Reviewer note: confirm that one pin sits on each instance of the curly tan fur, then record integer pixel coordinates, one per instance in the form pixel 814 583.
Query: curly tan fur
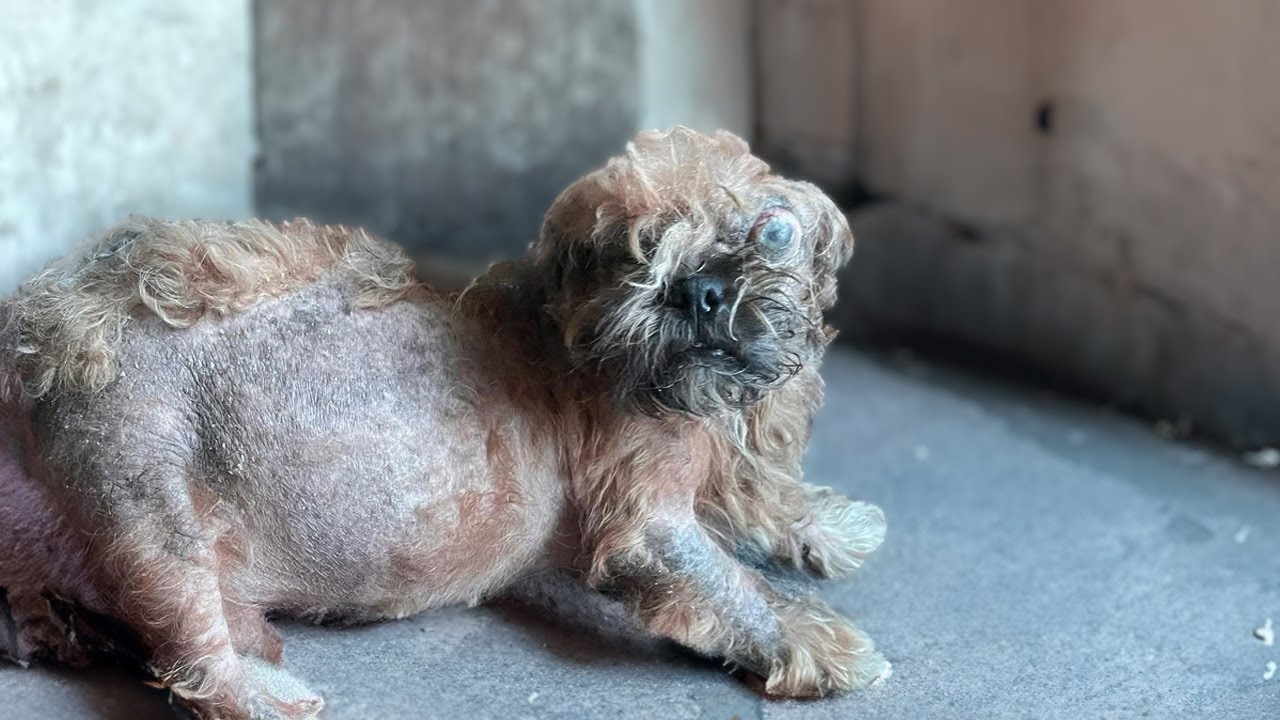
pixel 68 319
pixel 205 424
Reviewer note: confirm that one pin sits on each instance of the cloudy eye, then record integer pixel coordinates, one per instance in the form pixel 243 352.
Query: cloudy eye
pixel 776 231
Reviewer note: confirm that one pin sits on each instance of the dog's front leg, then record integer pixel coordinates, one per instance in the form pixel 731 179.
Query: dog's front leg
pixel 836 533
pixel 690 590
pixel 768 509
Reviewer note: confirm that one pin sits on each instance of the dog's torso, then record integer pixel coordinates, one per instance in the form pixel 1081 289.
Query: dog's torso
pixel 339 467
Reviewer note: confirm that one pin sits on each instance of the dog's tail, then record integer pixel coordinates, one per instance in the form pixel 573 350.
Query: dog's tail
pixel 63 326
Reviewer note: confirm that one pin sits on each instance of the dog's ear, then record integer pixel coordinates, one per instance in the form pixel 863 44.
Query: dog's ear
pixel 563 251
pixel 833 242
pixel 581 243
pixel 574 215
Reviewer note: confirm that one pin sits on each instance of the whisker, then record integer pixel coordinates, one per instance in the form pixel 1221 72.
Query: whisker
pixel 733 311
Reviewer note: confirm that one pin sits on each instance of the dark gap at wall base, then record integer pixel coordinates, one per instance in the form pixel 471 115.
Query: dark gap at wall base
pixel 982 298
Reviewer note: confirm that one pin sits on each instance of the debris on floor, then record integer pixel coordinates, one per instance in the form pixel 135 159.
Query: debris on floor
pixel 1271 670
pixel 1267 458
pixel 1170 430
pixel 1265 633
pixel 1243 533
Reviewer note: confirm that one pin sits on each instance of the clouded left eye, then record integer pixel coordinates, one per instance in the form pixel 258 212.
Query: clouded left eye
pixel 776 231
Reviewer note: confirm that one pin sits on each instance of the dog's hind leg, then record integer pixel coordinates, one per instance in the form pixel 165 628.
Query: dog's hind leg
pixel 38 560
pixel 156 567
pixel 164 585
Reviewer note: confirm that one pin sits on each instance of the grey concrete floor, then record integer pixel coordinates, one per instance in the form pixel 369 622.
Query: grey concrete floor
pixel 1044 560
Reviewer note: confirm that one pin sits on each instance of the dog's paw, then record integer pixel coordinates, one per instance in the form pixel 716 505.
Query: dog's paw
pixel 838 534
pixel 279 695
pixel 825 654
pixel 267 693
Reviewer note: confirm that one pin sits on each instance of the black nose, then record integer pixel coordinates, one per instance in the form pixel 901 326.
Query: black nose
pixel 704 295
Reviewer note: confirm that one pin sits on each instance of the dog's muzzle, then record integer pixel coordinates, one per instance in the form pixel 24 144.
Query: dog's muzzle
pixel 705 301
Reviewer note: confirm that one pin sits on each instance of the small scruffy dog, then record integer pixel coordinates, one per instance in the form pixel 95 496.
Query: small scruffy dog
pixel 207 423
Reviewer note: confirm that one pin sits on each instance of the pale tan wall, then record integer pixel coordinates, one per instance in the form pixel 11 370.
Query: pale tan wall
pixel 695 64
pixel 1164 164
pixel 807 85
pixel 1136 244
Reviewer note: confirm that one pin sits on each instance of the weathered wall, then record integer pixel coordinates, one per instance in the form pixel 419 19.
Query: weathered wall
pixel 449 127
pixel 807 84
pixel 696 65
pixel 106 109
pixel 1089 185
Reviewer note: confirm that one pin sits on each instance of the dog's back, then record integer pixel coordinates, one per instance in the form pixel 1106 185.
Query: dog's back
pixel 64 324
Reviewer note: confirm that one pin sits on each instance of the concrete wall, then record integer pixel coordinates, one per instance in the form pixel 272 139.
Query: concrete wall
pixel 808 83
pixel 449 127
pixel 106 109
pixel 1086 185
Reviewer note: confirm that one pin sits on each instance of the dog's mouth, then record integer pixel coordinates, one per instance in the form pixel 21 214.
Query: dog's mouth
pixel 720 359
pixel 704 378
pixel 714 352
pixel 705 365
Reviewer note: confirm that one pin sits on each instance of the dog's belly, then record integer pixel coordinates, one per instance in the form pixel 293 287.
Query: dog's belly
pixel 359 542
pixel 396 531
pixel 361 464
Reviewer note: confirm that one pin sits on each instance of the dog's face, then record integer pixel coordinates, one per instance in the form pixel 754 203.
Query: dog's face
pixel 689 275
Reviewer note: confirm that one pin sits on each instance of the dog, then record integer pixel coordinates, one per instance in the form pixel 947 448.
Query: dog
pixel 209 424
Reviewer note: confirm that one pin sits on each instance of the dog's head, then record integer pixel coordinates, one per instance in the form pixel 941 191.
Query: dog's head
pixel 689 274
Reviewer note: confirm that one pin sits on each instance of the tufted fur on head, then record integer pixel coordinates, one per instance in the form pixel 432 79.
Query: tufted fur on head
pixel 618 244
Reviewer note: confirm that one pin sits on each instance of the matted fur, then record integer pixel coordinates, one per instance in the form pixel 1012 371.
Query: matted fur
pixel 207 424
pixel 65 322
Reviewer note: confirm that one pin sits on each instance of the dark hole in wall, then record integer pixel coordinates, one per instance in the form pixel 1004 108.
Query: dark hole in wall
pixel 1044 117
